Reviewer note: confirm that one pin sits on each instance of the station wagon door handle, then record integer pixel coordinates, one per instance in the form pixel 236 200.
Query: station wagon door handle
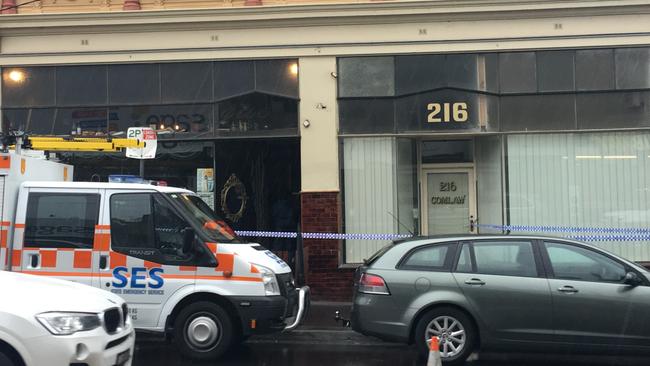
pixel 475 282
pixel 568 289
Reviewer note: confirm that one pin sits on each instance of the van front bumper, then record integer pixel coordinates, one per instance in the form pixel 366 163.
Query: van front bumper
pixel 268 314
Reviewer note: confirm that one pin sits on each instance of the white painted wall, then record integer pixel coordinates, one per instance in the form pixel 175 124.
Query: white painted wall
pixel 318 142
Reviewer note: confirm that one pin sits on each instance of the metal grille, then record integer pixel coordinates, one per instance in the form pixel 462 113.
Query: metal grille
pixel 113 320
pixel 288 290
pixel 125 312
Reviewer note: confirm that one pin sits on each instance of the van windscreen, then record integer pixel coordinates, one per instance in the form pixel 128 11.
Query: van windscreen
pixel 198 211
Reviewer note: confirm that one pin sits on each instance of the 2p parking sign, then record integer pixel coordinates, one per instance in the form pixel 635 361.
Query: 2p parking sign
pixel 146 134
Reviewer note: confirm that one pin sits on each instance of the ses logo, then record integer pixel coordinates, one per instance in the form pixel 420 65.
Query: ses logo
pixel 138 282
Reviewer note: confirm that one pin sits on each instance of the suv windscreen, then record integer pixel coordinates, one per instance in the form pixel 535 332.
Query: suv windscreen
pixel 198 211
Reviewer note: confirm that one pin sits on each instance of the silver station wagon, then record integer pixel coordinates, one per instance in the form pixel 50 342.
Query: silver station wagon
pixel 503 293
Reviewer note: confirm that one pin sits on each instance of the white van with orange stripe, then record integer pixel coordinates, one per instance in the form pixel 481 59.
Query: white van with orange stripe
pixel 181 269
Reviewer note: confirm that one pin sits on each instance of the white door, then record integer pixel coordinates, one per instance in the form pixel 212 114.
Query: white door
pixel 448 201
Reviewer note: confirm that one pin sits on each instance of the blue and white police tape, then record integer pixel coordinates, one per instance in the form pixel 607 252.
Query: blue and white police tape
pixel 566 229
pixel 610 237
pixel 331 236
pixel 629 234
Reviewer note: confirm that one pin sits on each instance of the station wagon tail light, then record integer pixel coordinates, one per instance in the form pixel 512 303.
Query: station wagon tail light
pixel 373 284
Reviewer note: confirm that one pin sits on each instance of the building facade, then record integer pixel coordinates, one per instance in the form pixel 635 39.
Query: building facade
pixel 391 117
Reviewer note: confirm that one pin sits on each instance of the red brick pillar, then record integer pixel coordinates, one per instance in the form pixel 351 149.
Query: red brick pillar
pixel 6 3
pixel 320 213
pixel 131 5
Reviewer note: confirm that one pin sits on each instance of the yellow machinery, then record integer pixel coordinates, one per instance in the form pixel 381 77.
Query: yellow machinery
pixel 83 144
pixel 71 143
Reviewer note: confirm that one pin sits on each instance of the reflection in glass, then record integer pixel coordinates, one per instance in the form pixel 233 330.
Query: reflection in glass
pixel 517 72
pixel 538 112
pixel 366 76
pixel 366 115
pixel 81 85
pixel 555 71
pixel 134 84
pixel 256 113
pixel 87 122
pixel 594 69
pixel 277 77
pixel 164 119
pixel 28 87
pixel 186 82
pixel 632 68
pixel 452 151
pixel 34 121
pixel 615 109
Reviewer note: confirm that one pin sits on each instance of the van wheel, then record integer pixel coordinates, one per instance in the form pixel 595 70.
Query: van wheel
pixel 203 330
pixel 455 330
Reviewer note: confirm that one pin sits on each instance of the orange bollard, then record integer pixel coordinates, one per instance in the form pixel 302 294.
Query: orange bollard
pixel 434 353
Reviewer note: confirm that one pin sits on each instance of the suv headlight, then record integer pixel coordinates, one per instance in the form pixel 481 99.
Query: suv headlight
pixel 271 286
pixel 68 323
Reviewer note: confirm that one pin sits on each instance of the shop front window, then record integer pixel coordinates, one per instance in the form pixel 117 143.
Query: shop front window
pixel 179 100
pixel 256 114
pixel 593 184
pixel 379 180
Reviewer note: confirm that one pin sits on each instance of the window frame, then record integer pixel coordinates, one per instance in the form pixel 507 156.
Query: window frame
pixel 40 193
pixel 450 257
pixel 548 267
pixel 541 271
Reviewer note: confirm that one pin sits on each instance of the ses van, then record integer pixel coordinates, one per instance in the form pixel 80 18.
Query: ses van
pixel 181 269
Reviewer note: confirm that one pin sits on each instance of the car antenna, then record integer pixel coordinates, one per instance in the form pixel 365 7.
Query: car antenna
pixel 399 222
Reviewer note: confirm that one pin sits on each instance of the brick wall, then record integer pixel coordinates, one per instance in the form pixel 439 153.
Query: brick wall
pixel 320 213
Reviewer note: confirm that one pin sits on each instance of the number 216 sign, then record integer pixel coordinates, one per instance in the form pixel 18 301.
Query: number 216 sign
pixel 447 112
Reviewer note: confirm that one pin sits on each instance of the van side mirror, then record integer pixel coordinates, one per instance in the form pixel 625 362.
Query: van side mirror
pixel 188 239
pixel 632 279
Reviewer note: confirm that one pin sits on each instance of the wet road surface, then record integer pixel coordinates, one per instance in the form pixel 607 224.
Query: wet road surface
pixel 159 353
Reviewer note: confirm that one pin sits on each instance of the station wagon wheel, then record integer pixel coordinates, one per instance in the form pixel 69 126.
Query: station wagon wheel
pixel 450 332
pixel 455 330
pixel 203 330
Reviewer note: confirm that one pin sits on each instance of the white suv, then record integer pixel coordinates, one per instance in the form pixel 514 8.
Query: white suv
pixel 46 321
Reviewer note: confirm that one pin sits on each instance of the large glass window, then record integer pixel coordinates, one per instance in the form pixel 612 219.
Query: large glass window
pixel 134 84
pixel 589 183
pixel 81 85
pixel 179 100
pixel 366 77
pixel 555 71
pixel 520 76
pixel 632 68
pixel 594 70
pixel 61 220
pixel 186 82
pixel 543 90
pixel 28 87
